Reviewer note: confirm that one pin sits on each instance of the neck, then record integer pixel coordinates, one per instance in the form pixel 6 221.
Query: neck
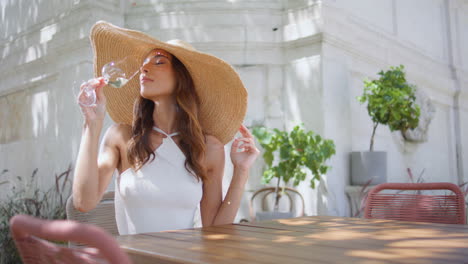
pixel 165 114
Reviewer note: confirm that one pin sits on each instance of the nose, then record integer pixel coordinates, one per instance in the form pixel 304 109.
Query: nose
pixel 144 68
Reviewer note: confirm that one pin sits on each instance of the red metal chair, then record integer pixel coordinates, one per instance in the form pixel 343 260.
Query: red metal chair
pixel 31 237
pixel 417 205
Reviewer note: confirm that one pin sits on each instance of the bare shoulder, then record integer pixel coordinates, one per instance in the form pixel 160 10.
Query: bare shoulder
pixel 118 134
pixel 214 152
pixel 213 144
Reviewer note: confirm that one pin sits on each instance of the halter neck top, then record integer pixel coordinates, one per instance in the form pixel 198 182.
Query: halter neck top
pixel 162 195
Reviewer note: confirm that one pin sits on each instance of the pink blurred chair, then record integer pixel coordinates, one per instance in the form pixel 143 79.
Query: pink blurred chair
pixel 31 237
pixel 417 205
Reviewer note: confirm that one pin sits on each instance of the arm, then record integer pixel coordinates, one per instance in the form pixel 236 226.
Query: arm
pixel 212 188
pixel 91 175
pixel 214 210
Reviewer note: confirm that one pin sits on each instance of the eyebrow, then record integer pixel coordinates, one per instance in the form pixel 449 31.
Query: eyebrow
pixel 157 56
pixel 160 55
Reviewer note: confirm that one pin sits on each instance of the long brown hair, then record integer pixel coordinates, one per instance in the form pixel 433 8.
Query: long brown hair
pixel 192 140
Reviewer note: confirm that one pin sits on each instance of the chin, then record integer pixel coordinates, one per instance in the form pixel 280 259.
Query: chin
pixel 146 94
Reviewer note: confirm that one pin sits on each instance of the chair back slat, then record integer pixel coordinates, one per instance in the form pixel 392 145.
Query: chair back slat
pixel 438 208
pixel 269 192
pixel 102 216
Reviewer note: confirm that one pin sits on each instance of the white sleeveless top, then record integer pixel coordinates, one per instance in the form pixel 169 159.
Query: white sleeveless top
pixel 162 195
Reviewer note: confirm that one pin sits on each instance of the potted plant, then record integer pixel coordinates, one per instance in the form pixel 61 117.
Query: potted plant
pixel 390 101
pixel 288 156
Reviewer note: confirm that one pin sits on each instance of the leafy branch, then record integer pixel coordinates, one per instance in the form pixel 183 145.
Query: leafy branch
pixel 288 155
pixel 391 101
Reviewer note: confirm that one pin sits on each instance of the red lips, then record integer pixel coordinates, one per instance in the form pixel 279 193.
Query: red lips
pixel 145 79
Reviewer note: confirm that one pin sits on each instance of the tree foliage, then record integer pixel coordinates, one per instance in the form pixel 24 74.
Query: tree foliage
pixel 288 155
pixel 391 101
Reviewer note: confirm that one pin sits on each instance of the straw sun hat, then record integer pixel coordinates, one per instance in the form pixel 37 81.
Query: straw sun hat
pixel 222 95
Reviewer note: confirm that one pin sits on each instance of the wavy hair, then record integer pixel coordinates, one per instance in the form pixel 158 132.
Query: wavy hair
pixel 192 139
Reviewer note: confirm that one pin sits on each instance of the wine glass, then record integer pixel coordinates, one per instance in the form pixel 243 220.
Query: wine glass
pixel 113 74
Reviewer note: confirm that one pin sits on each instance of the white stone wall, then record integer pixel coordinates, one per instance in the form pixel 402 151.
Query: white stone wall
pixel 45 54
pixel 362 37
pixel 301 61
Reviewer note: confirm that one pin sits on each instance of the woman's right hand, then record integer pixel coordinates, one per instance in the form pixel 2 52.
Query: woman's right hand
pixel 96 112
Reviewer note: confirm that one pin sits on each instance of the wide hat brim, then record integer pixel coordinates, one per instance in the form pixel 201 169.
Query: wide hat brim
pixel 223 97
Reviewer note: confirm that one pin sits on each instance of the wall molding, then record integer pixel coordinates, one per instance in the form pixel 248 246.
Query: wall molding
pixel 30 84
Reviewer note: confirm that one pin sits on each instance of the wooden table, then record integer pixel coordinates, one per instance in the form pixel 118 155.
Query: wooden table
pixel 316 239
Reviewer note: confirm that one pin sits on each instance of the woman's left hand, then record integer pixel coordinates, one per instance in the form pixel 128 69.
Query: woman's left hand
pixel 248 152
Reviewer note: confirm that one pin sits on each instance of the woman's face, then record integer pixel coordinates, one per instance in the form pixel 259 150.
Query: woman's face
pixel 157 77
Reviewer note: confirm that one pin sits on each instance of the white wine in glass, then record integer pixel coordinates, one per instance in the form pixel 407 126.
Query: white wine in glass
pixel 113 75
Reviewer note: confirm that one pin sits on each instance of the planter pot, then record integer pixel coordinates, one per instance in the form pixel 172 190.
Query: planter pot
pixel 367 165
pixel 260 216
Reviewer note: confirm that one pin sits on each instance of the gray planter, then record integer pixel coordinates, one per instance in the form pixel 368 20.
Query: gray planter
pixel 368 165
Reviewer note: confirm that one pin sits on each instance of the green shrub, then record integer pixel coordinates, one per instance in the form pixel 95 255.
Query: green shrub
pixel 30 200
pixel 296 151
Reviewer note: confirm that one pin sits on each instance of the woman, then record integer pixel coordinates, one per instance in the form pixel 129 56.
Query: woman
pixel 170 152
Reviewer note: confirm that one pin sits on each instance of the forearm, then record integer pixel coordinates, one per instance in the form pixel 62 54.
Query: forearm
pixel 230 205
pixel 86 180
